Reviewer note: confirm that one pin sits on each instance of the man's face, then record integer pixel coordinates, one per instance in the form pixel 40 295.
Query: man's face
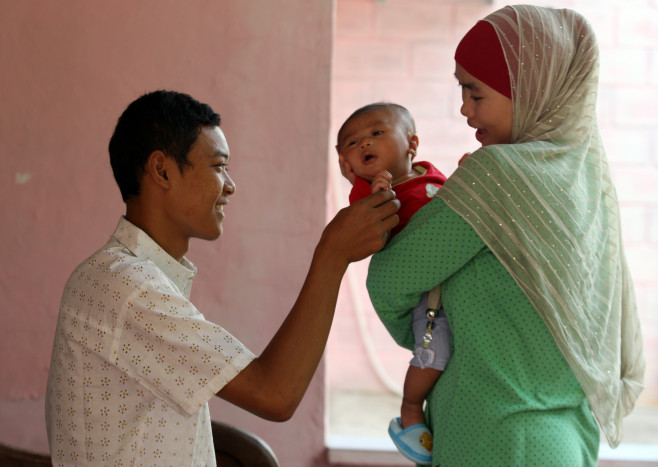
pixel 201 191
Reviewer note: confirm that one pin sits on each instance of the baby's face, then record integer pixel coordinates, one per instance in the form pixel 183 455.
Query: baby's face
pixel 374 141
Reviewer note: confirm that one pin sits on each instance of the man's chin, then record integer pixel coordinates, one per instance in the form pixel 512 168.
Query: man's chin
pixel 212 235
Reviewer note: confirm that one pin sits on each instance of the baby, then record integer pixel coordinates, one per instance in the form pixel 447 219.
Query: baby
pixel 376 147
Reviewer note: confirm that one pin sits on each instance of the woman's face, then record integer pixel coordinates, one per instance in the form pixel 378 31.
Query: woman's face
pixel 485 109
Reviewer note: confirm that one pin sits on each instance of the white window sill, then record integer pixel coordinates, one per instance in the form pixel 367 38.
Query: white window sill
pixel 375 450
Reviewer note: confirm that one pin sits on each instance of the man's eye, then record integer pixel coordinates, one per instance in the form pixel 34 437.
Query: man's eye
pixel 476 98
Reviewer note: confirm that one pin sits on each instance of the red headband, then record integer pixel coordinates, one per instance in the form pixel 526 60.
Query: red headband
pixel 481 54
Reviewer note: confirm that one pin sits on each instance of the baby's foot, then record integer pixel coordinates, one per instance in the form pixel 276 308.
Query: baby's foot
pixel 414 442
pixel 411 414
pixel 412 419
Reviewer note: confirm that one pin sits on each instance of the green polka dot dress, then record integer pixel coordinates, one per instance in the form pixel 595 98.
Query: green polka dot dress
pixel 507 396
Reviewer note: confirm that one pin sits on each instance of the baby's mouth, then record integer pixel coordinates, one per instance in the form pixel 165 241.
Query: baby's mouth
pixel 368 158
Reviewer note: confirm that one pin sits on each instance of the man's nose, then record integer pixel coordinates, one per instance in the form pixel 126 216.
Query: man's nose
pixel 229 185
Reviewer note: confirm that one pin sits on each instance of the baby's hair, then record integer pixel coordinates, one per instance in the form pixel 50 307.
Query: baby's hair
pixel 404 114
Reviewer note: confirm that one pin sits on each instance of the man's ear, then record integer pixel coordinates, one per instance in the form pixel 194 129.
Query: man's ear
pixel 157 166
pixel 413 146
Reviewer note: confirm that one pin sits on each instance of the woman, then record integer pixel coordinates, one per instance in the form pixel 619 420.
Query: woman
pixel 525 240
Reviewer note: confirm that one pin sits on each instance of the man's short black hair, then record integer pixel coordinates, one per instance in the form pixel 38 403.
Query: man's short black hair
pixel 168 121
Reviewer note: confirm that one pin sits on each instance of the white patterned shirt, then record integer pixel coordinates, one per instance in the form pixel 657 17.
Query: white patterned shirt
pixel 134 363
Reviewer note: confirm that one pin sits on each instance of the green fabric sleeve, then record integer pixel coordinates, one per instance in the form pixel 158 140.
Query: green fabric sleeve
pixel 435 244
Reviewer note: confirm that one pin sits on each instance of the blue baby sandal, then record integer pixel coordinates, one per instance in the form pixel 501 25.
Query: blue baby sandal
pixel 414 442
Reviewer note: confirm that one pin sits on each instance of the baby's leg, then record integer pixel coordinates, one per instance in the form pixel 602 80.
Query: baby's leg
pixel 417 384
pixel 430 358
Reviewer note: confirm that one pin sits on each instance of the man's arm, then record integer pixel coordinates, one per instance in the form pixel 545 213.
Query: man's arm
pixel 272 385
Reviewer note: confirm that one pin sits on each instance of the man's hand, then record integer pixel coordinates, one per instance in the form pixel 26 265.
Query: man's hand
pixel 361 229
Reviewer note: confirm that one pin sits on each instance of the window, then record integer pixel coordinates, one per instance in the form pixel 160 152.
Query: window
pixel 403 52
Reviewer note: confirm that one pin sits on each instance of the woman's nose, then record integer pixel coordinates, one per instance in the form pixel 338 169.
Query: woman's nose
pixel 465 109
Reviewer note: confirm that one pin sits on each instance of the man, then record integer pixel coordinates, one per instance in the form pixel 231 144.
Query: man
pixel 134 363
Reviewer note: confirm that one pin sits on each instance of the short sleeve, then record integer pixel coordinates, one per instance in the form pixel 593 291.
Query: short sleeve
pixel 167 345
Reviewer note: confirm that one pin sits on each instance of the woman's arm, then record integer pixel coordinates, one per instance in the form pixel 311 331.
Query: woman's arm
pixel 434 245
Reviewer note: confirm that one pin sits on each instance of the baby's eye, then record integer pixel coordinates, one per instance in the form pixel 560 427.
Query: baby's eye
pixel 377 133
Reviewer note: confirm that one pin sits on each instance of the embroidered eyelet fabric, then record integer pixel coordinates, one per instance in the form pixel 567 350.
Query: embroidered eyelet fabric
pixel 134 363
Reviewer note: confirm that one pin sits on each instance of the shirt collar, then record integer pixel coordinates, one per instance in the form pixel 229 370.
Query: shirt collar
pixel 141 245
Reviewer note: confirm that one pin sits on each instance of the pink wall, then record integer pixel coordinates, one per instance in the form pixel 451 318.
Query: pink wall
pixel 402 50
pixel 69 68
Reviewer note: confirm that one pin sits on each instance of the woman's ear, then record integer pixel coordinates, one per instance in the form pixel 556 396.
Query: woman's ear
pixel 413 146
pixel 157 166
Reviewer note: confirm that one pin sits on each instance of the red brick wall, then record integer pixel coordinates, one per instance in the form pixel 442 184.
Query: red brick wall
pixel 401 50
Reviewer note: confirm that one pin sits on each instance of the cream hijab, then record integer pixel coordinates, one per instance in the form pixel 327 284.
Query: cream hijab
pixel 547 208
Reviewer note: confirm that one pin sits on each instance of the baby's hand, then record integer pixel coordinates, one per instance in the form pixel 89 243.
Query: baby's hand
pixel 381 182
pixel 346 169
pixel 463 157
